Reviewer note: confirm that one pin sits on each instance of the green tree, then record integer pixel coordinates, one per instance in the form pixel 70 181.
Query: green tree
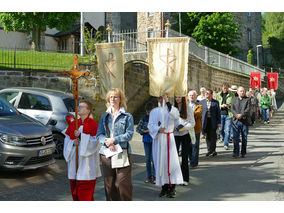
pixel 90 42
pixel 37 22
pixel 217 30
pixel 273 36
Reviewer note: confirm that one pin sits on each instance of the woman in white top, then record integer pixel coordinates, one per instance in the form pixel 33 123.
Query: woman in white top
pixel 184 134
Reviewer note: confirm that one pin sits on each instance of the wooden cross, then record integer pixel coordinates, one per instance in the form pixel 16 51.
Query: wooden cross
pixel 75 74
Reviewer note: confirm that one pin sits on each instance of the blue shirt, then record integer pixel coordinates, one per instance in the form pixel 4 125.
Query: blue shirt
pixel 192 104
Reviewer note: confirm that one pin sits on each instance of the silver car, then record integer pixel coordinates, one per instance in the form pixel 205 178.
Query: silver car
pixel 50 107
pixel 24 142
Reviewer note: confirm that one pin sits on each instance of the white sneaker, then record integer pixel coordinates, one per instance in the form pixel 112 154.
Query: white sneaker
pixel 265 122
pixel 226 147
pixel 185 183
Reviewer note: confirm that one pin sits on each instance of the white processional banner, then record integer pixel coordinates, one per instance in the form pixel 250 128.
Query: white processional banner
pixel 168 66
pixel 110 58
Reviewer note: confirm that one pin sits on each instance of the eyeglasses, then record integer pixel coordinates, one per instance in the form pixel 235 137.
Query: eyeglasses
pixel 82 106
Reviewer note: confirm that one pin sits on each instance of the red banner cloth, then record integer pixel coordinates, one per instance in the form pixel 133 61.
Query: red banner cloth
pixel 272 80
pixel 255 80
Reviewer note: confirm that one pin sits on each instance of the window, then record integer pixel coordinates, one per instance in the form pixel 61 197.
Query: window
pixel 11 97
pixel 70 104
pixel 249 36
pixel 150 14
pixel 151 33
pixel 36 102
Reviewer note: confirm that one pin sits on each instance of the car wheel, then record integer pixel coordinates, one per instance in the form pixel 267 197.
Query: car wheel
pixel 59 142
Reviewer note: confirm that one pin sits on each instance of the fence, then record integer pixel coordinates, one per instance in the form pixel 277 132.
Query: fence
pixel 24 58
pixel 137 42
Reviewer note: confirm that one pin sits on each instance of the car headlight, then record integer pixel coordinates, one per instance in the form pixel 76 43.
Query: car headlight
pixel 12 139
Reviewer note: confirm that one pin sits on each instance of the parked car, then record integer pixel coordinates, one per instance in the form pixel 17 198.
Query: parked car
pixel 25 143
pixel 50 107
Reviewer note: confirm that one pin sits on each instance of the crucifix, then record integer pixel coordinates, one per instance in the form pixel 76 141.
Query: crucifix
pixel 75 74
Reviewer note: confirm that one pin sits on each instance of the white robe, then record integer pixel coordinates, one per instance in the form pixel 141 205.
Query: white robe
pixel 175 170
pixel 88 153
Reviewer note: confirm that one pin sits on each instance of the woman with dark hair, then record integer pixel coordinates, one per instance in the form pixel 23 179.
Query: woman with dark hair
pixel 184 134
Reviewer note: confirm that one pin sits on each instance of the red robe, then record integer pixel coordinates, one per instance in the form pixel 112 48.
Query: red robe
pixel 83 181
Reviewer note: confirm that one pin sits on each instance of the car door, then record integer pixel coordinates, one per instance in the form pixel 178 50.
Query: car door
pixel 35 106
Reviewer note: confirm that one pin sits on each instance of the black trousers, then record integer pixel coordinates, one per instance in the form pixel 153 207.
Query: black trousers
pixel 186 148
pixel 211 136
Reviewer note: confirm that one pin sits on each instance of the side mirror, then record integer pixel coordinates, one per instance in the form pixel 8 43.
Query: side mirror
pixel 53 122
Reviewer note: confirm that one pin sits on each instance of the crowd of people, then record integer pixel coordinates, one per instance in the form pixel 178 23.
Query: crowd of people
pixel 166 129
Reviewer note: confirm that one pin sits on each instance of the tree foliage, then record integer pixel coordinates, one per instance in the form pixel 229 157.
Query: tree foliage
pixel 90 41
pixel 217 30
pixel 273 36
pixel 37 22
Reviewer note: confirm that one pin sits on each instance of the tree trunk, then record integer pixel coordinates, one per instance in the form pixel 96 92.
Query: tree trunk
pixel 36 38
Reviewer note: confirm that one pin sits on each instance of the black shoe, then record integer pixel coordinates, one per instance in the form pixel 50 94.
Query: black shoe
pixel 172 193
pixel 214 154
pixel 235 156
pixel 208 154
pixel 163 193
pixel 243 155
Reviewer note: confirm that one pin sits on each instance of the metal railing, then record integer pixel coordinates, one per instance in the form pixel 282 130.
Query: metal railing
pixel 137 42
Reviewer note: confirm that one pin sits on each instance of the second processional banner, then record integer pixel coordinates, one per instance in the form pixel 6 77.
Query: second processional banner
pixel 110 58
pixel 168 66
pixel 272 80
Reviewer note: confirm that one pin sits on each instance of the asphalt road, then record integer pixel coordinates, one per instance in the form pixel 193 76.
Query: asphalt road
pixel 258 177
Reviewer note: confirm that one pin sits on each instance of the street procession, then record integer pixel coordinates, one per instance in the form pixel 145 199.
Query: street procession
pixel 151 114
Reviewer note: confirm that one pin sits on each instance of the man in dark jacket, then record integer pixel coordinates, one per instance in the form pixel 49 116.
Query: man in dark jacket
pixel 211 120
pixel 241 120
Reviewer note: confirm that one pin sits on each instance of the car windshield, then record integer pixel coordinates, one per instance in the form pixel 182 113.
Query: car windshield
pixel 6 109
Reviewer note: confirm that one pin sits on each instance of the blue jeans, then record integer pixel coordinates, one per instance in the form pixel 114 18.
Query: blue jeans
pixel 149 160
pixel 226 123
pixel 195 151
pixel 265 114
pixel 240 128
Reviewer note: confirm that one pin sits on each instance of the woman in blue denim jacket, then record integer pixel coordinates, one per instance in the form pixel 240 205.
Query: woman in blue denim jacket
pixel 116 127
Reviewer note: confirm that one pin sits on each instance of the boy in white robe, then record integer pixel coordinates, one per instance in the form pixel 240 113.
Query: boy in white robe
pixel 83 181
pixel 164 144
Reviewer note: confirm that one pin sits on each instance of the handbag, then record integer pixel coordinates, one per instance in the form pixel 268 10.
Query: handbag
pixel 119 160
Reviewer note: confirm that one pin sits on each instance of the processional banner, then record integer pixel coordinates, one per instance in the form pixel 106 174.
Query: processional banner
pixel 110 57
pixel 272 80
pixel 255 80
pixel 168 66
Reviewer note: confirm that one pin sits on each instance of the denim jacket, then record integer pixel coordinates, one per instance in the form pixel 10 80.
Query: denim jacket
pixel 122 132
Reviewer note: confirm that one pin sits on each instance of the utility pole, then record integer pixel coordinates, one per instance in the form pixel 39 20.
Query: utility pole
pixel 82 52
pixel 179 21
pixel 257 54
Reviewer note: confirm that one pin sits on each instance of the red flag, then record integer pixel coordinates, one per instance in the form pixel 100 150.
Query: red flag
pixel 255 80
pixel 272 80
